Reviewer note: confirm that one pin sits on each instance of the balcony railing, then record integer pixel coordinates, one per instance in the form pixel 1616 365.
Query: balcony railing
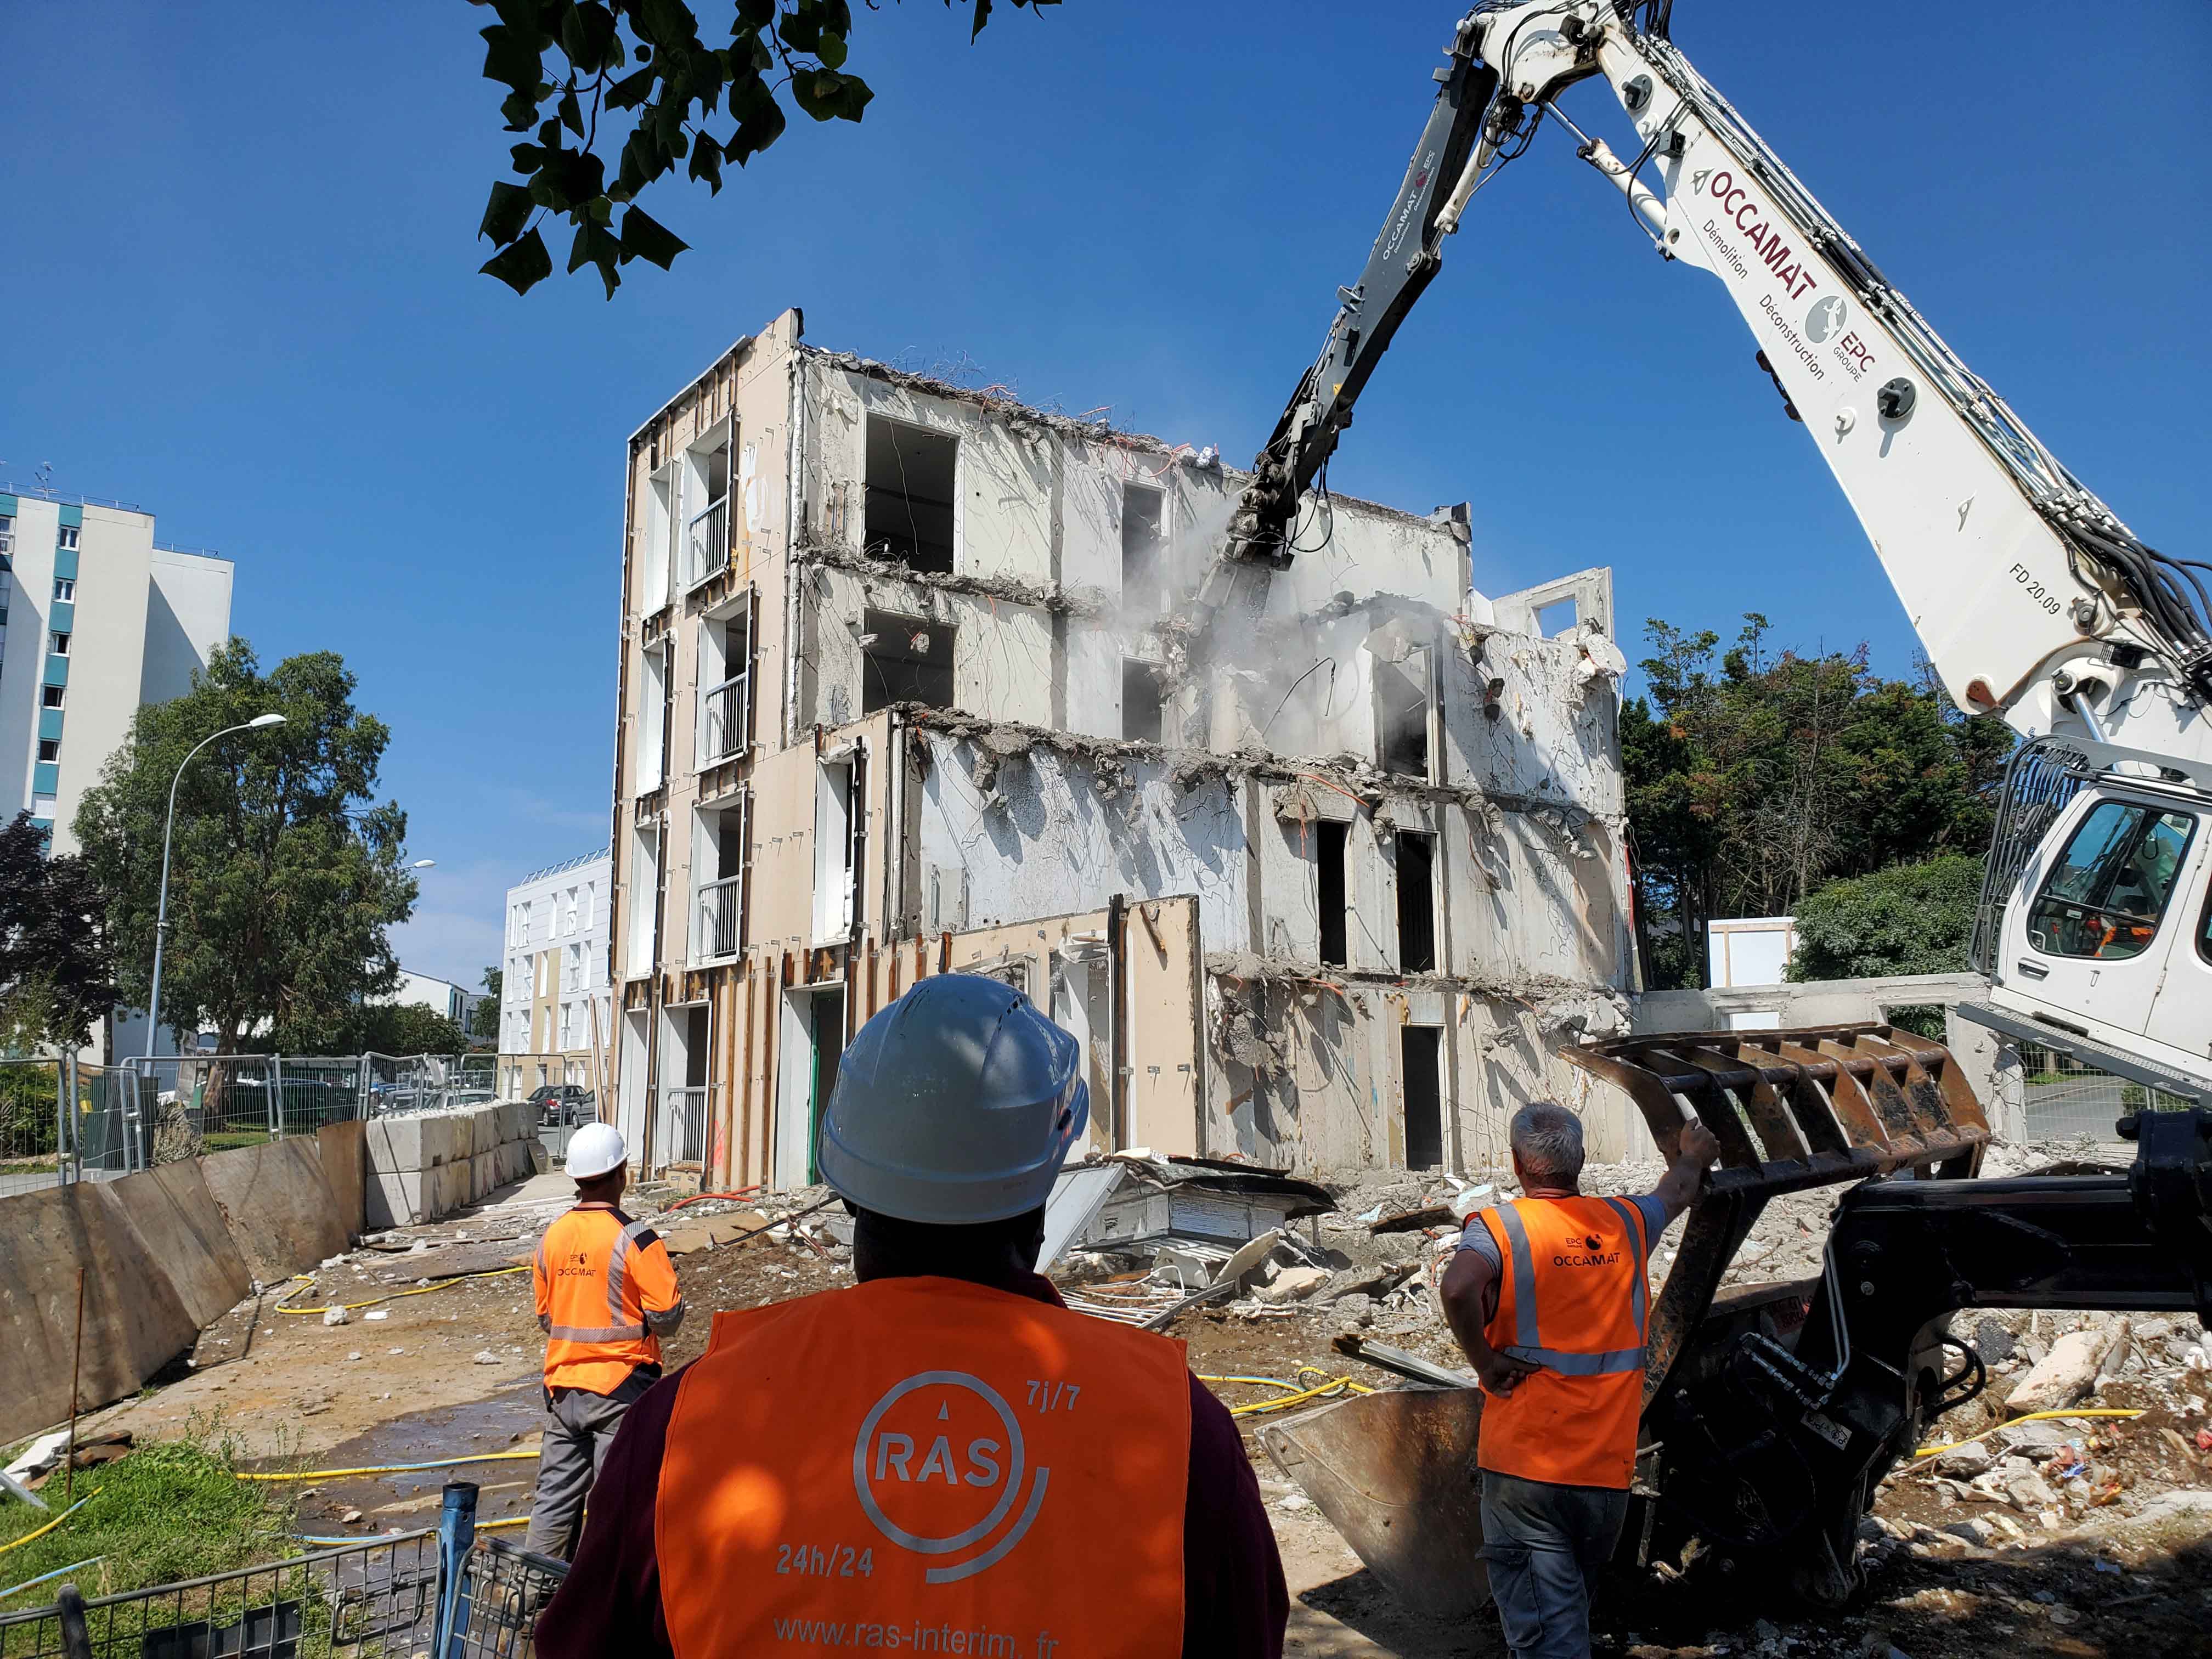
pixel 683 1128
pixel 706 547
pixel 721 913
pixel 723 720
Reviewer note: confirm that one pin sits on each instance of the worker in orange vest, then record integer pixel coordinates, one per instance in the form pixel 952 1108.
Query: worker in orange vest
pixel 1548 1294
pixel 606 1295
pixel 929 1459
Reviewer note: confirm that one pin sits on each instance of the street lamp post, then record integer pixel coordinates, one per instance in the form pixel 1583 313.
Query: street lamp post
pixel 259 722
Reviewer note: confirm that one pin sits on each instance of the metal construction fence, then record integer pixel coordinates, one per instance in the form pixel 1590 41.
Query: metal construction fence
pixel 446 1589
pixel 2063 1098
pixel 63 1121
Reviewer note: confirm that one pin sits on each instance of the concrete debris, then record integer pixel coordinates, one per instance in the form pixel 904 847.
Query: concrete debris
pixel 333 1316
pixel 2068 1370
pixel 1292 1284
pixel 486 1357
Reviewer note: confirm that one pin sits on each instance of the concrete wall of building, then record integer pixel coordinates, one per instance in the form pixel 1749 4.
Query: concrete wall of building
pixel 556 963
pixel 1022 802
pixel 187 617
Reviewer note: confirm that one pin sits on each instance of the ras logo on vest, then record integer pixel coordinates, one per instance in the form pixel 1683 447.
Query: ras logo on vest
pixel 938 1467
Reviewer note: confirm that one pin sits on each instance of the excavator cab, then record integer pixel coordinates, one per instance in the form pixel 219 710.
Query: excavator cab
pixel 2095 923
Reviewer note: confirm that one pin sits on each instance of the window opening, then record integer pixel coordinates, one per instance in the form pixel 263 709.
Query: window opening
pixel 829 1035
pixel 65 590
pixel 49 749
pixel 1143 704
pixel 1417 904
pixel 1330 846
pixel 1143 515
pixel 50 696
pixel 61 646
pixel 1557 617
pixel 1421 1077
pixel 2109 891
pixel 726 712
pixel 67 540
pixel 840 847
pixel 911 488
pixel 904 660
pixel 1402 713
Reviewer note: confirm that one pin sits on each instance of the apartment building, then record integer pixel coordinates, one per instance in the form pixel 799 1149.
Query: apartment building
pixel 554 992
pixel 911 681
pixel 95 619
pixel 441 996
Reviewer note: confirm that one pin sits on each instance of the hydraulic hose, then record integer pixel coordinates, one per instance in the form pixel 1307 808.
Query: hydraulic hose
pixel 419 1290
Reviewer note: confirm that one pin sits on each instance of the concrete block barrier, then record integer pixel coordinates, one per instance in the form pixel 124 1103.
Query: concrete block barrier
pixel 135 1323
pixel 178 1222
pixel 277 1205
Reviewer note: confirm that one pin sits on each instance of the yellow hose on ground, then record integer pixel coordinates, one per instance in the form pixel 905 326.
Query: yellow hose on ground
pixel 388 1469
pixel 18 1543
pixel 1926 1452
pixel 419 1290
pixel 1298 1392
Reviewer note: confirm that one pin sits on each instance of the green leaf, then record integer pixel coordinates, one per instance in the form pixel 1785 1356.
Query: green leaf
pixel 633 90
pixel 589 36
pixel 572 112
pixel 510 59
pixel 665 23
pixel 982 15
pixel 761 121
pixel 520 110
pixel 522 266
pixel 596 246
pixel 831 49
pixel 644 238
pixel 506 214
pixel 707 163
pixel 527 158
pixel 827 95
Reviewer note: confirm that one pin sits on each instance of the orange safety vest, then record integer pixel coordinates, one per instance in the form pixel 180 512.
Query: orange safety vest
pixel 604 1283
pixel 1572 1300
pixel 926 1465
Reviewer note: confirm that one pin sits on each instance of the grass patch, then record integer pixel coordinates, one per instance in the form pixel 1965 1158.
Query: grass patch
pixel 168 1511
pixel 227 1141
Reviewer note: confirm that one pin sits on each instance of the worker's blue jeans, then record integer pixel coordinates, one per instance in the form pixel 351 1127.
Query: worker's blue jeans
pixel 1543 1543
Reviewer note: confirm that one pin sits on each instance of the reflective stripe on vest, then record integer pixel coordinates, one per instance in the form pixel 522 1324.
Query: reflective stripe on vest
pixel 598 1327
pixel 1524 1304
pixel 915 1463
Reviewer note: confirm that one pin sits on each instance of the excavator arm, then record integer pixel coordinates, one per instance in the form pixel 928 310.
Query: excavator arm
pixel 2034 600
pixel 1406 257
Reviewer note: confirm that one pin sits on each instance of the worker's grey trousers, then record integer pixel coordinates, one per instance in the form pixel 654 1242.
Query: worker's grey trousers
pixel 579 1429
pixel 1543 1543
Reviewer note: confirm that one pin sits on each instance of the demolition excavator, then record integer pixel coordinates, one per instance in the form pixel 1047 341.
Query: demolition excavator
pixel 1770 1415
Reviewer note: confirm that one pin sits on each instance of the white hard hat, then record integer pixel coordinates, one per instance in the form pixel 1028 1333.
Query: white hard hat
pixel 956 1105
pixel 594 1150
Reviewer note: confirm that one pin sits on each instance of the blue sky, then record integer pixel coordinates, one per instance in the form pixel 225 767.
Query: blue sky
pixel 241 290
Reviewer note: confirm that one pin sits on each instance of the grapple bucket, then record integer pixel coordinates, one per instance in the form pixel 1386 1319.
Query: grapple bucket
pixel 1394 1473
pixel 1814 1106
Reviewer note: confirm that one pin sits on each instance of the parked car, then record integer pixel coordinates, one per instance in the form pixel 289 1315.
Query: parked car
pixel 564 1105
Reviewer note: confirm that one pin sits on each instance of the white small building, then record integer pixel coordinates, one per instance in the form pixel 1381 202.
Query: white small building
pixel 555 994
pixel 1749 950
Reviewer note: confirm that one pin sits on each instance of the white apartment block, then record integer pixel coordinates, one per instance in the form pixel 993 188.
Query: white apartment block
pixel 554 982
pixel 911 683
pixel 441 996
pixel 95 619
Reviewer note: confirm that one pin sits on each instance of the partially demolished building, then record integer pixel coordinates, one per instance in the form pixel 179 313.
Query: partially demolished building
pixel 911 683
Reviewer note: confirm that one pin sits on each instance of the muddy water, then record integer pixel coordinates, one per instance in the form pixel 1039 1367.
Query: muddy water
pixel 507 1421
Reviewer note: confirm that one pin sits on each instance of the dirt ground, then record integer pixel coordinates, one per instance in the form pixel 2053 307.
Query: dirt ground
pixel 452 1370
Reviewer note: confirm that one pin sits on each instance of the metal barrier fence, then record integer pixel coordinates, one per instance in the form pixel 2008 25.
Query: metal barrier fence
pixel 446 1589
pixel 680 1137
pixel 213 1102
pixel 2060 1098
pixel 62 1121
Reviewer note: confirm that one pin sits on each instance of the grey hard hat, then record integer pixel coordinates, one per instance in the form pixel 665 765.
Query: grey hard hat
pixel 955 1105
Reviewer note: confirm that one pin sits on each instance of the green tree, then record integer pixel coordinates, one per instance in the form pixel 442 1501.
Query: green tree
pixel 57 971
pixel 280 891
pixel 1753 778
pixel 1907 919
pixel 635 80
pixel 484 1018
pixel 382 1028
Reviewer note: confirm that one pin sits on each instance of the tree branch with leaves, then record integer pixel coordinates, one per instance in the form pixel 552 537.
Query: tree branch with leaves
pixel 635 78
